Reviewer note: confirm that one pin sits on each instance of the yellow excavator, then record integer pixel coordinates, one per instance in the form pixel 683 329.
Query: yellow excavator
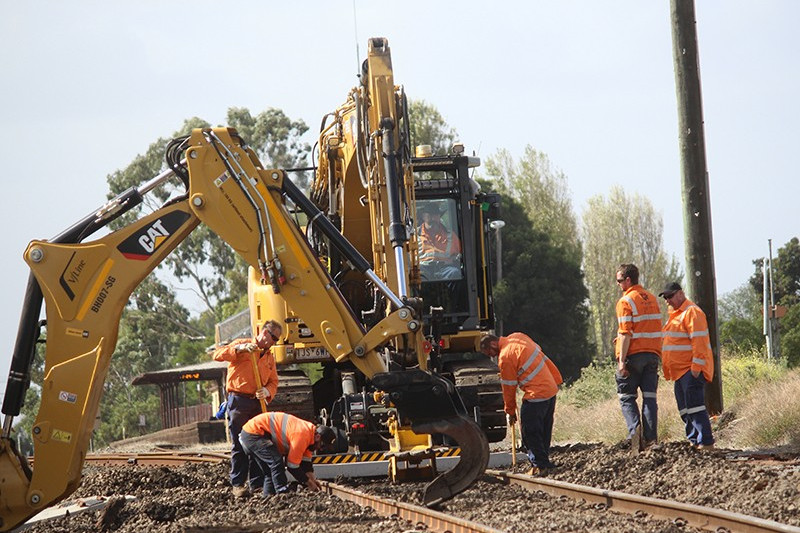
pixel 85 285
pixel 370 186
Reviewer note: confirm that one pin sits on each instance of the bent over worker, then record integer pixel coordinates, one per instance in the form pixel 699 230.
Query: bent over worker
pixel 269 437
pixel 523 364
pixel 689 362
pixel 638 352
pixel 245 394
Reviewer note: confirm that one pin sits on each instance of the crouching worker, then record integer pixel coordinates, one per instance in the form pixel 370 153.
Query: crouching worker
pixel 269 437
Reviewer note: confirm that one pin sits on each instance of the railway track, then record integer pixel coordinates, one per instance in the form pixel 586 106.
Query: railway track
pixel 680 514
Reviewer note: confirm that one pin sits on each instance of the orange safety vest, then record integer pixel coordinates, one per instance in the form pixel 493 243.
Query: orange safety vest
pixel 523 364
pixel 687 345
pixel 293 436
pixel 241 377
pixel 437 243
pixel 639 316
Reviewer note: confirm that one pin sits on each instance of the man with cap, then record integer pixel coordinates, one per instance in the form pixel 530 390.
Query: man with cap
pixel 524 365
pixel 689 362
pixel 638 352
pixel 270 437
pixel 439 246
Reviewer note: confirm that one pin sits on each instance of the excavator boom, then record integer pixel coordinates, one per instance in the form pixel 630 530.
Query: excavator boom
pixel 85 287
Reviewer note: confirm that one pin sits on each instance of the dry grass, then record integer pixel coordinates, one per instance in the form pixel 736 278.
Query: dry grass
pixel 762 407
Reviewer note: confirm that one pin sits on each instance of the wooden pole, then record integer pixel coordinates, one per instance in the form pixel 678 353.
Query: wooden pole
pixel 700 277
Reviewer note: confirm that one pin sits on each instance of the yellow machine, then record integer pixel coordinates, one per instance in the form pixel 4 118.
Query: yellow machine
pixel 369 186
pixel 85 287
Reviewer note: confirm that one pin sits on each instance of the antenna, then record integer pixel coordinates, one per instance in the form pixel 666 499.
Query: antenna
pixel 355 35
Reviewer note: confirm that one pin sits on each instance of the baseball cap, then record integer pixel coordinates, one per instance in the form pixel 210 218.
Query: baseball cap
pixel 670 289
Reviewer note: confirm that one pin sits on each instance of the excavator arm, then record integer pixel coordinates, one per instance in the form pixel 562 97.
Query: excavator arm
pixel 85 287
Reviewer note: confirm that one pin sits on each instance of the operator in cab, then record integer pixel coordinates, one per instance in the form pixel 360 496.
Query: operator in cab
pixel 439 246
pixel 268 438
pixel 252 378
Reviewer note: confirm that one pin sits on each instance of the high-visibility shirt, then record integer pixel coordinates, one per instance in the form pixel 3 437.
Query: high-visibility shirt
pixel 523 364
pixel 241 377
pixel 294 437
pixel 438 243
pixel 687 345
pixel 639 316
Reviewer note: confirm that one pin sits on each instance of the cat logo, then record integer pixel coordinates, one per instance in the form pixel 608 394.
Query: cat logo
pixel 144 242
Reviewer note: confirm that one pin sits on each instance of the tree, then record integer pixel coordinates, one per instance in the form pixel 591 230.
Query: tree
pixel 786 287
pixel 786 274
pixel 740 320
pixel 621 229
pixel 542 292
pixel 427 126
pixel 542 191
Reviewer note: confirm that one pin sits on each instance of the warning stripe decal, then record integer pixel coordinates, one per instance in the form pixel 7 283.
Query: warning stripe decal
pixel 372 456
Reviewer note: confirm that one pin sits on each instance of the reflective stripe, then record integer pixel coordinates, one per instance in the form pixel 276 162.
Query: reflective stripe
pixel 647 335
pixel 534 400
pixel 703 333
pixel 528 362
pixel 693 410
pixel 538 369
pixel 627 396
pixel 701 362
pixel 632 304
pixel 647 317
pixel 676 348
pixel 625 319
pixel 509 382
pixel 649 394
pixel 677 334
pixel 682 412
pixel 285 433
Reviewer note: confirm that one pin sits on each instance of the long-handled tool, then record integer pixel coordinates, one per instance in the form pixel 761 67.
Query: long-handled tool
pixel 254 359
pixel 514 443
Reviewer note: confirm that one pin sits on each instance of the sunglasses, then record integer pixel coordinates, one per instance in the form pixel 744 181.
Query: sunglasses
pixel 274 337
pixel 668 296
pixel 620 280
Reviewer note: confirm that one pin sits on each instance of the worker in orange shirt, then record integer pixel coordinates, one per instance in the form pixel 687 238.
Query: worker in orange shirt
pixel 523 364
pixel 689 362
pixel 269 437
pixel 245 394
pixel 439 246
pixel 638 353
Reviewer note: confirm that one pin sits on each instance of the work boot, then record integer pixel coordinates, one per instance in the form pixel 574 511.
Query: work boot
pixel 533 471
pixel 240 491
pixel 637 442
pixel 652 445
pixel 705 447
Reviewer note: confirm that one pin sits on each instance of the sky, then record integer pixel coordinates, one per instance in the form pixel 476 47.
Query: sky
pixel 88 85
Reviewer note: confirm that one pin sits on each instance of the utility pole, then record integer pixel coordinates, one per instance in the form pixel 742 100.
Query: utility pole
pixel 497 225
pixel 700 277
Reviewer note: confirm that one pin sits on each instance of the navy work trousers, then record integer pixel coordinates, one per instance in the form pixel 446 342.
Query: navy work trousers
pixel 262 450
pixel 536 420
pixel 642 374
pixel 240 410
pixel 691 399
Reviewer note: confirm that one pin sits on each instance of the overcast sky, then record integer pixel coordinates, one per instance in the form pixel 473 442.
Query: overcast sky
pixel 86 86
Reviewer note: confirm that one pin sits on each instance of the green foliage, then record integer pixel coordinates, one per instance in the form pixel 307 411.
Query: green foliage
pixel 790 336
pixel 741 334
pixel 595 385
pixel 427 126
pixel 543 193
pixel 786 274
pixel 542 292
pixel 744 372
pixel 621 229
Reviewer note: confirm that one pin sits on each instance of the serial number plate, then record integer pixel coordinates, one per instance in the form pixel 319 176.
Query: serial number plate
pixel 304 354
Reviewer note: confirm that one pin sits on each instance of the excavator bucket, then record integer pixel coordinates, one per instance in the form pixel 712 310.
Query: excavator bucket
pixel 432 405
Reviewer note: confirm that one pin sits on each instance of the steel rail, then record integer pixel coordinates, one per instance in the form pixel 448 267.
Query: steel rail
pixel 156 458
pixel 433 520
pixel 707 518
